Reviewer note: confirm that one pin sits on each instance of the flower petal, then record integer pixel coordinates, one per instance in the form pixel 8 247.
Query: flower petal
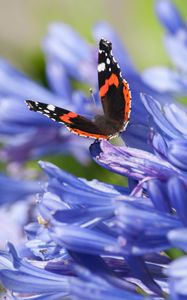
pixel 178 192
pixel 176 49
pixel 59 45
pixel 178 238
pixel 165 80
pixel 177 153
pixel 130 162
pixel 156 190
pixel 15 83
pixel 58 78
pixel 169 16
pixel 155 109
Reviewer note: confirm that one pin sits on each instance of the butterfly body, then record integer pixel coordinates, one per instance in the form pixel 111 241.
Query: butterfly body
pixel 115 98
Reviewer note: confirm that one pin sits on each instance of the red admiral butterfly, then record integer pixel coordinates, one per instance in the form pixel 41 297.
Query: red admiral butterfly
pixel 115 98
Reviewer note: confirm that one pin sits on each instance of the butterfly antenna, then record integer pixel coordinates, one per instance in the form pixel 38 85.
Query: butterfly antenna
pixel 92 95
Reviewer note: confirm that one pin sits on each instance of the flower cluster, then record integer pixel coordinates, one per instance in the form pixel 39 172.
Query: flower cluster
pixel 94 240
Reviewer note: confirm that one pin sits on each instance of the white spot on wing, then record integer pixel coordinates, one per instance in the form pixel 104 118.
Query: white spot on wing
pixel 51 107
pixel 108 60
pixel 101 67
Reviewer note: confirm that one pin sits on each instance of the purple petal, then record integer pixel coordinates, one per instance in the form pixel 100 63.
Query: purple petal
pixel 130 162
pixel 165 80
pixel 140 270
pixel 136 136
pixel 14 190
pixel 75 190
pixel 148 233
pixel 176 114
pixel 156 190
pixel 83 215
pixel 178 278
pixel 178 192
pixel 156 111
pixel 178 238
pixel 178 268
pixel 97 288
pixel 65 46
pixel 14 83
pixel 58 79
pixel 169 16
pixel 159 145
pixel 25 283
pixel 85 240
pixel 177 50
pixel 26 278
pixel 177 153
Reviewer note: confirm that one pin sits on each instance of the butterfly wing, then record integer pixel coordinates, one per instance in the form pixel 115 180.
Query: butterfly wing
pixel 74 122
pixel 113 89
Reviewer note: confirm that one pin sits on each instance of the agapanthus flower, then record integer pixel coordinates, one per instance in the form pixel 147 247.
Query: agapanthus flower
pixel 20 128
pixel 94 240
pixel 16 204
pixel 92 224
pixel 101 224
pixel 59 50
pixel 23 278
pixel 63 62
pixel 178 278
pixel 164 78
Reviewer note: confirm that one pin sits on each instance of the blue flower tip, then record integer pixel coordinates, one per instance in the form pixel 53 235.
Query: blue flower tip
pixel 95 149
pixel 45 164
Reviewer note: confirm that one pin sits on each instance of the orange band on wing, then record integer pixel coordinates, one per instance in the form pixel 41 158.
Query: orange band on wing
pixel 113 80
pixel 91 135
pixel 127 96
pixel 67 117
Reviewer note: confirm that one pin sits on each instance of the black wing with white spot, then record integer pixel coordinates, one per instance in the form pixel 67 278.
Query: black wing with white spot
pixel 73 121
pixel 113 89
pixel 107 64
pixel 48 110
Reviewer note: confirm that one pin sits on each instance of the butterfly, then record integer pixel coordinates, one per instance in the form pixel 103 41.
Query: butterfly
pixel 115 98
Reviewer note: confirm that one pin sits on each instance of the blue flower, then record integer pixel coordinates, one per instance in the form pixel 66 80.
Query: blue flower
pixel 20 127
pixel 94 240
pixel 63 62
pixel 97 288
pixel 178 278
pixel 16 189
pixel 131 162
pixel 165 79
pixel 91 218
pixel 92 222
pixel 21 277
pixel 59 49
pixel 169 134
pixel 61 54
pixel 16 195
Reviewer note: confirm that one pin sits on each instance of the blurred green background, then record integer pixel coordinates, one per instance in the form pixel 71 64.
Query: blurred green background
pixel 23 24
